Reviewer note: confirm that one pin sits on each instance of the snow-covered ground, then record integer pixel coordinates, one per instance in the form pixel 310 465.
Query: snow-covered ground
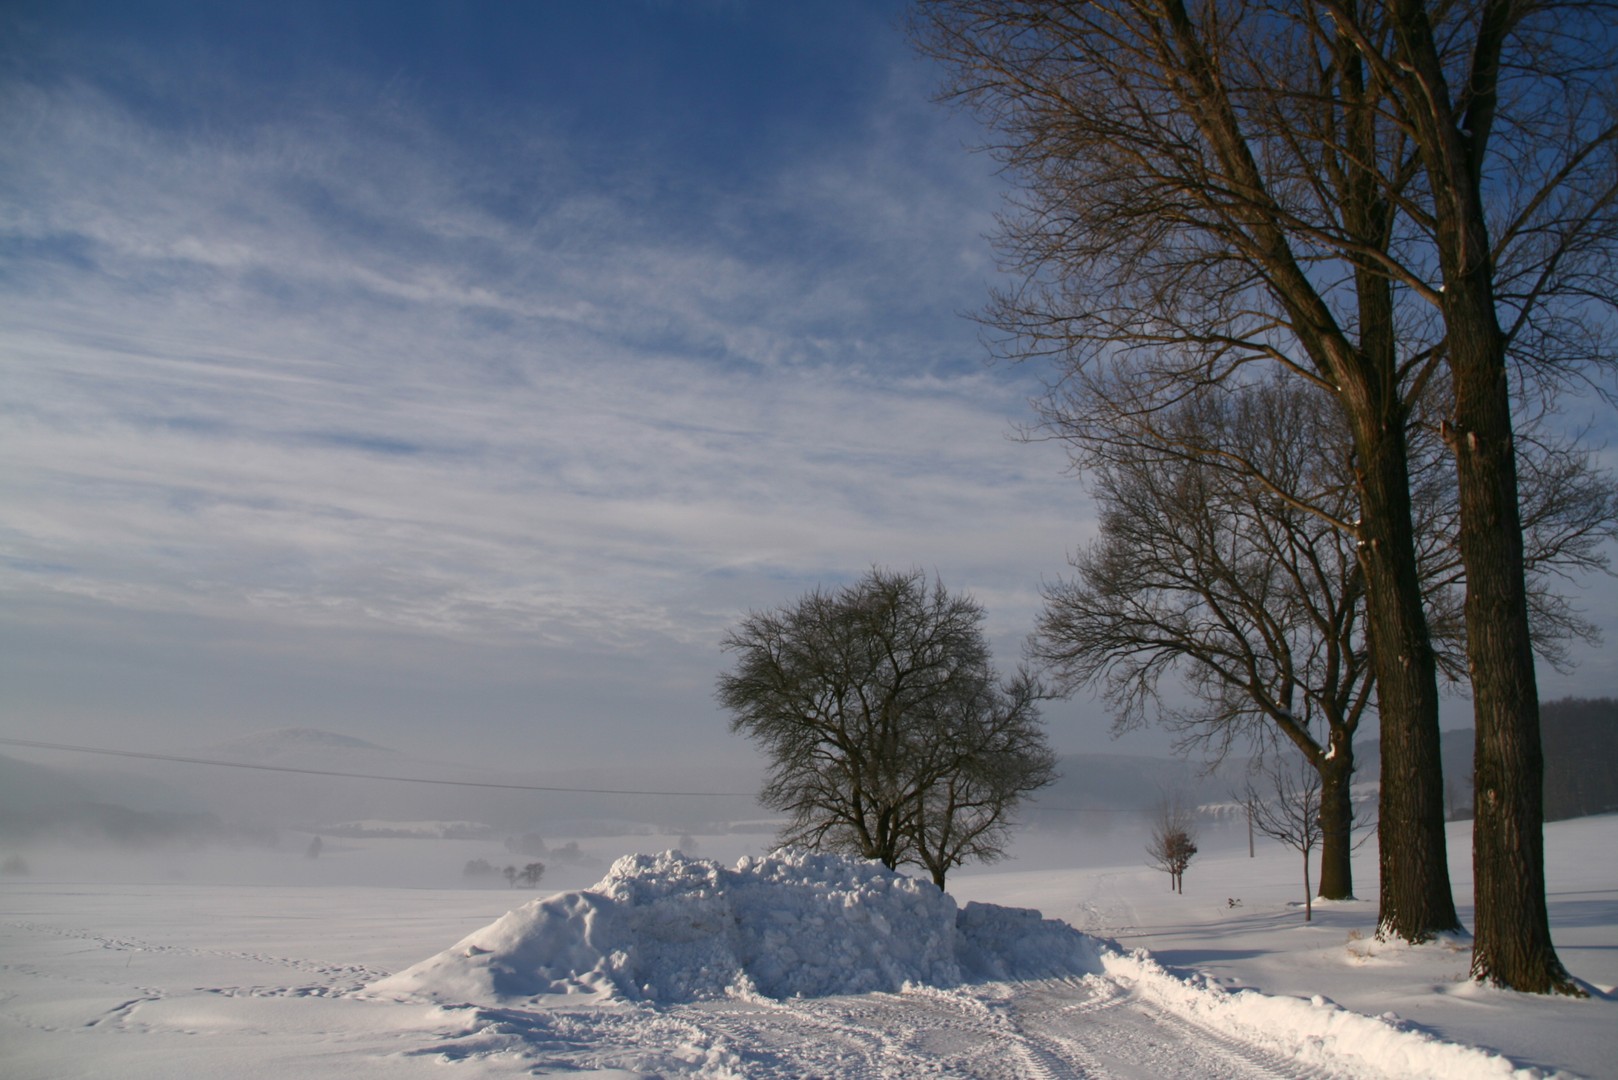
pixel 1263 942
pixel 687 967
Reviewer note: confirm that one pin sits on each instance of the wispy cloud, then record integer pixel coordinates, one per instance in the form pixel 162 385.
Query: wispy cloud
pixel 327 373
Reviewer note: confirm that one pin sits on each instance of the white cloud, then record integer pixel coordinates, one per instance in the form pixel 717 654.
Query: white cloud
pixel 298 378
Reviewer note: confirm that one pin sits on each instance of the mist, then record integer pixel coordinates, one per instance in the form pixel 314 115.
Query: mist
pixel 268 811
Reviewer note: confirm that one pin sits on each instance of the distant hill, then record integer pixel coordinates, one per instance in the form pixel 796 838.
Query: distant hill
pixel 40 803
pixel 24 786
pixel 1455 752
pixel 27 784
pixel 1098 784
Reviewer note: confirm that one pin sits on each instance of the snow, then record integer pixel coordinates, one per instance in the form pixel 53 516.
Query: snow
pixel 669 928
pixel 1312 1033
pixel 787 964
pixel 1264 943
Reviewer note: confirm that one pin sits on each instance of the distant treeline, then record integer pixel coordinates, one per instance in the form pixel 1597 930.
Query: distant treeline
pixel 1580 739
pixel 107 824
pixel 1580 736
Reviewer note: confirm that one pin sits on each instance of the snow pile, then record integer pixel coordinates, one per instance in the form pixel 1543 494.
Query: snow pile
pixel 670 928
pixel 1003 943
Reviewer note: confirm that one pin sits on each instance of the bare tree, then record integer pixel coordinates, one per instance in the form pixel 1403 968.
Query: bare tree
pixel 1289 811
pixel 478 868
pixel 1202 194
pixel 888 731
pixel 1214 575
pixel 998 754
pixel 531 873
pixel 1312 185
pixel 1205 575
pixel 1464 111
pixel 1173 841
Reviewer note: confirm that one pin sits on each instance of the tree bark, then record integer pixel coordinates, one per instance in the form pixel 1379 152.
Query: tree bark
pixel 1415 900
pixel 1512 940
pixel 1415 897
pixel 1336 829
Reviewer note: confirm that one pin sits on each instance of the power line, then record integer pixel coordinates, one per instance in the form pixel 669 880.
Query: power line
pixel 364 776
pixel 34 744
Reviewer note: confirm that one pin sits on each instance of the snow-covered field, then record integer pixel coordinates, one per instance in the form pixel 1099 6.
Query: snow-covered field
pixel 684 967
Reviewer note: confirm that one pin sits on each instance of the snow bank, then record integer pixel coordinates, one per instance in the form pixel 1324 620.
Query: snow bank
pixel 1311 1033
pixel 993 942
pixel 670 928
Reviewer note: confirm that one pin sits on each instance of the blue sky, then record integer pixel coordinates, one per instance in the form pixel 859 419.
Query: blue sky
pixel 453 375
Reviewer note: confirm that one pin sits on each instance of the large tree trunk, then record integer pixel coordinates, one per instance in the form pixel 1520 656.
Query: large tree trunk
pixel 1512 945
pixel 1336 827
pixel 1415 901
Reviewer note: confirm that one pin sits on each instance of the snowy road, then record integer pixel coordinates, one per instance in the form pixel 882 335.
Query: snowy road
pixel 1092 1027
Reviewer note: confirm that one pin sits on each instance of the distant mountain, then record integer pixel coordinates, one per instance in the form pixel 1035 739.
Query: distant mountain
pixel 284 779
pixel 143 799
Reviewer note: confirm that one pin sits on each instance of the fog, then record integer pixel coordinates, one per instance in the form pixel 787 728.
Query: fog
pixel 267 809
pixel 568 863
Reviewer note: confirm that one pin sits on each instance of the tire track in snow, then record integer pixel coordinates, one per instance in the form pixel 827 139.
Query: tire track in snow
pixel 1093 1028
pixel 1271 1063
pixel 1142 1038
pixel 865 1037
